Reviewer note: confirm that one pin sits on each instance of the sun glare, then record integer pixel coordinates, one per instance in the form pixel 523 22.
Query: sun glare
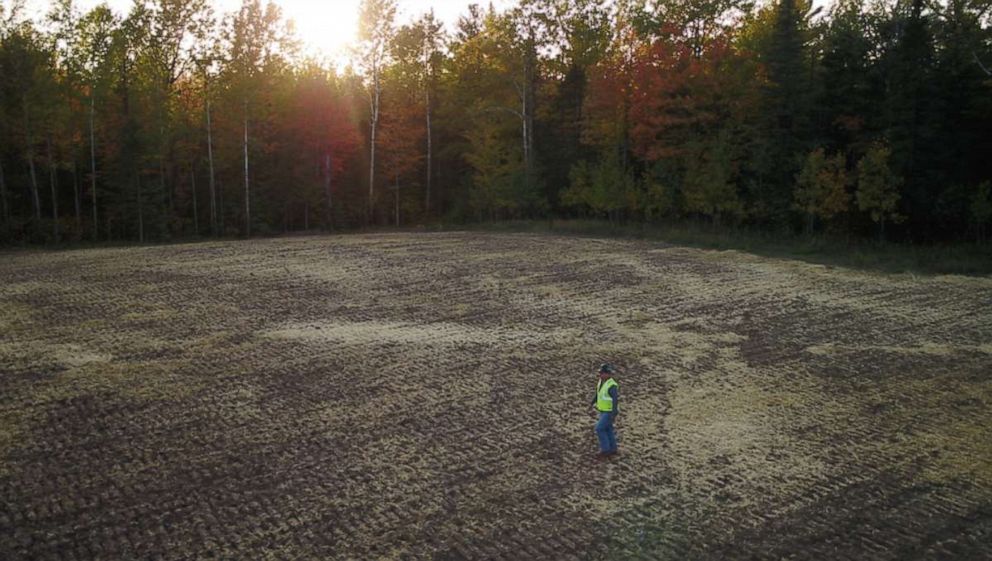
pixel 325 28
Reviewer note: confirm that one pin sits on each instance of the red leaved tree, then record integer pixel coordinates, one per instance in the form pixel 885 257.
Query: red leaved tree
pixel 680 95
pixel 326 132
pixel 401 137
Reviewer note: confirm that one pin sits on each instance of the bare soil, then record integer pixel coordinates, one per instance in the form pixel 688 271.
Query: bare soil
pixel 426 396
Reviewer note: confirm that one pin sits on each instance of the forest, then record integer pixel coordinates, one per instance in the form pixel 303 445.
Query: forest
pixel 861 119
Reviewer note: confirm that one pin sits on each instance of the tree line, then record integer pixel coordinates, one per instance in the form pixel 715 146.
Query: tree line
pixel 865 118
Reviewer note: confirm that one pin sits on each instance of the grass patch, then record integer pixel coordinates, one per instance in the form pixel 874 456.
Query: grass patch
pixel 889 257
pixel 958 258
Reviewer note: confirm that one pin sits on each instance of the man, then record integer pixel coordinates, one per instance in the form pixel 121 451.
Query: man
pixel 606 403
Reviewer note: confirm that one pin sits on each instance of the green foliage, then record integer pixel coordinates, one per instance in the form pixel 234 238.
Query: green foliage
pixel 981 208
pixel 821 186
pixel 658 199
pixel 828 250
pixel 604 188
pixel 850 94
pixel 878 187
pixel 783 124
pixel 710 187
pixel 501 187
pixel 744 113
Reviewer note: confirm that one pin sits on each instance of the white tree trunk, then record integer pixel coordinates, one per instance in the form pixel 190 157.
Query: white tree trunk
pixel 247 193
pixel 96 229
pixel 77 199
pixel 161 168
pixel 528 116
pixel 980 65
pixel 35 198
pixel 55 197
pixel 196 215
pixel 210 159
pixel 374 118
pixel 524 130
pixel 141 209
pixel 427 196
pixel 220 209
pixel 526 136
pixel 327 191
pixel 3 198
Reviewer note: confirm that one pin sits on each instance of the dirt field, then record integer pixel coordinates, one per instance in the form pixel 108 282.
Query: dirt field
pixel 427 396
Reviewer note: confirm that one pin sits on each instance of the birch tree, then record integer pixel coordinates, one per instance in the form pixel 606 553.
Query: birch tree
pixel 64 126
pixel 95 33
pixel 25 70
pixel 417 57
pixel 207 58
pixel 431 43
pixel 206 66
pixel 8 17
pixel 256 45
pixel 375 32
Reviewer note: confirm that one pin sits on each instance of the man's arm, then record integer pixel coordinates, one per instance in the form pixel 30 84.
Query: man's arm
pixel 615 396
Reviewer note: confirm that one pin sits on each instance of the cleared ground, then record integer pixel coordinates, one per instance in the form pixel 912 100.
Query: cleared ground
pixel 426 396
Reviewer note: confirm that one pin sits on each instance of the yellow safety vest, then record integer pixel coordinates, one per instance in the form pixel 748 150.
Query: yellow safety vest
pixel 604 402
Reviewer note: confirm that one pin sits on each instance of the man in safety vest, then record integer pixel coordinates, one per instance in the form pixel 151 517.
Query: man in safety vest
pixel 607 404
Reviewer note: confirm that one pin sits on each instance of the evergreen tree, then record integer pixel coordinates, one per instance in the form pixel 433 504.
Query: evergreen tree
pixel 910 102
pixel 160 122
pixel 850 96
pixel 785 109
pixel 962 114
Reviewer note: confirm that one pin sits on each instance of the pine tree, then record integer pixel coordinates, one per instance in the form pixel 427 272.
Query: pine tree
pixel 910 129
pixel 850 96
pixel 785 110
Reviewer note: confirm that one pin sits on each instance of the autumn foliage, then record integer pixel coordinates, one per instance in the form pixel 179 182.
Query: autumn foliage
pixel 172 120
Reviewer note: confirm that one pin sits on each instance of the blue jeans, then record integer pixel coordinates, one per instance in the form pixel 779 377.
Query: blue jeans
pixel 607 436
